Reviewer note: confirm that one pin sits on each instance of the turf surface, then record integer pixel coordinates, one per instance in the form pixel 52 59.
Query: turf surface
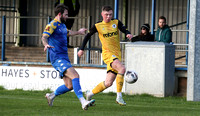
pixel 27 103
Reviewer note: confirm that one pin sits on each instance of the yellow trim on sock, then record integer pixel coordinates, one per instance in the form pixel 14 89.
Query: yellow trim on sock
pixel 119 82
pixel 99 88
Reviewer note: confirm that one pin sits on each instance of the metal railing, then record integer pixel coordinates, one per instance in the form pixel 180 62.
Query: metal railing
pixel 95 59
pixel 5 34
pixel 92 57
pixel 99 61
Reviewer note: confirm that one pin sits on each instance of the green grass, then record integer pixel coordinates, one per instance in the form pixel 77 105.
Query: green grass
pixel 33 103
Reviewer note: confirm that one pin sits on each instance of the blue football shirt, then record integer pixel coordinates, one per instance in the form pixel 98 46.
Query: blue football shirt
pixel 57 33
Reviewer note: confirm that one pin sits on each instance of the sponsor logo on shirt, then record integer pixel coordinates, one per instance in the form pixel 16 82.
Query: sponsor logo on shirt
pixel 110 34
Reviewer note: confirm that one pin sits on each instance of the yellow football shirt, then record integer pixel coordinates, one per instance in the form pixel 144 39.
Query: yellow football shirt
pixel 109 37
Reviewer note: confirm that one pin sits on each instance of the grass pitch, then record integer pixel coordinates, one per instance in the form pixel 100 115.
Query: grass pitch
pixel 33 103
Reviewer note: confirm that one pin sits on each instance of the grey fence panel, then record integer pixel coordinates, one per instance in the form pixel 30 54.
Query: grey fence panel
pixel 6 9
pixel 174 10
pixel 139 12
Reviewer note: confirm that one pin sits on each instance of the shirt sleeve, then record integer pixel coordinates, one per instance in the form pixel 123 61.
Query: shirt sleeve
pixel 49 29
pixel 134 39
pixel 122 28
pixel 88 36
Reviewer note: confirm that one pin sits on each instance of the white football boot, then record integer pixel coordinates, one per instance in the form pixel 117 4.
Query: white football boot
pixel 88 95
pixel 50 98
pixel 120 101
pixel 87 104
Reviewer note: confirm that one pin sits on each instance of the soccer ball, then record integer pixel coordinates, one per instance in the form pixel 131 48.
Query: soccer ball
pixel 131 77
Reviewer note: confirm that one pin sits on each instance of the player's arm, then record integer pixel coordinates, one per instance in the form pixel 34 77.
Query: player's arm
pixel 123 29
pixel 85 40
pixel 49 29
pixel 79 32
pixel 45 42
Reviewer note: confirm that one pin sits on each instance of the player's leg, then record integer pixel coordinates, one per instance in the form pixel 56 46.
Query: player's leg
pixel 117 65
pixel 65 87
pixel 74 76
pixel 60 90
pixel 110 77
pixel 60 65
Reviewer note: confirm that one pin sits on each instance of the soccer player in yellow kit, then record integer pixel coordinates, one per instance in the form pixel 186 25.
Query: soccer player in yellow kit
pixel 108 31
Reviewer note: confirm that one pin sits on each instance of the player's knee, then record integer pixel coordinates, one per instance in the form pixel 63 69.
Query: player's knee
pixel 122 70
pixel 75 76
pixel 108 84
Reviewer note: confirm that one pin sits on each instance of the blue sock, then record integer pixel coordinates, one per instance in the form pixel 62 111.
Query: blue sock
pixel 77 87
pixel 61 90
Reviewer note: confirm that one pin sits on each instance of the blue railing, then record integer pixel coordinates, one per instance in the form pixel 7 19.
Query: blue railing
pixel 3 38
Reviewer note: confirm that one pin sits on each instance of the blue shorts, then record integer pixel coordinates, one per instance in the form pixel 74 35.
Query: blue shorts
pixel 61 65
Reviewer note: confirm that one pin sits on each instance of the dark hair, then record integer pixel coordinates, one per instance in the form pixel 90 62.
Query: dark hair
pixel 106 8
pixel 146 26
pixel 162 17
pixel 60 9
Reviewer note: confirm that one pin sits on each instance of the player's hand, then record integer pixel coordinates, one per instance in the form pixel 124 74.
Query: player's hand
pixel 129 36
pixel 47 46
pixel 82 31
pixel 80 53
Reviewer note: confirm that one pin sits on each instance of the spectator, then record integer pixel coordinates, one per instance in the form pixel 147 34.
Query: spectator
pixel 164 33
pixel 74 7
pixel 144 35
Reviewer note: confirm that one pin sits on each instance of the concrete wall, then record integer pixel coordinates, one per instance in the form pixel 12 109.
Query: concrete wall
pixel 154 64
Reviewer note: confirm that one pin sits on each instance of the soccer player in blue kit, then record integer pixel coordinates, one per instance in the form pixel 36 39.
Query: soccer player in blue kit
pixel 55 40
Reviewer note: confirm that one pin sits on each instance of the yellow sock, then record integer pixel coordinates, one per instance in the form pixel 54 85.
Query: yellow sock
pixel 119 82
pixel 99 88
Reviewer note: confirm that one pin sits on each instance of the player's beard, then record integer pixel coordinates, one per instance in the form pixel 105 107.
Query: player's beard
pixel 62 19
